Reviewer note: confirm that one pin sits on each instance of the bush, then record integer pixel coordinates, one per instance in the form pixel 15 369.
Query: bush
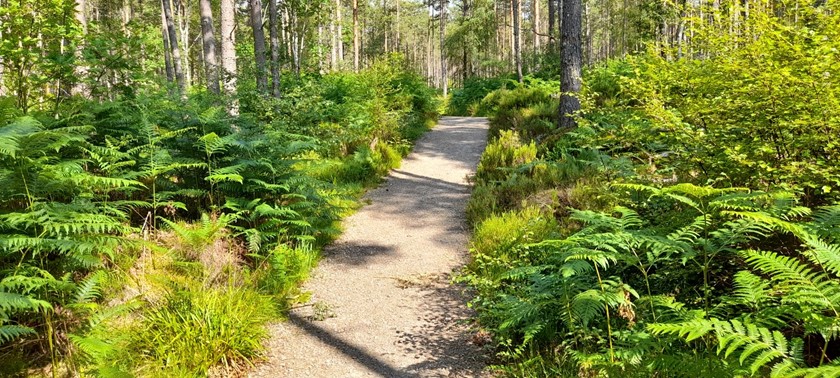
pixel 465 101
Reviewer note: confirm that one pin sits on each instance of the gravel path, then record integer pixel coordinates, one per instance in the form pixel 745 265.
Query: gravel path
pixel 383 305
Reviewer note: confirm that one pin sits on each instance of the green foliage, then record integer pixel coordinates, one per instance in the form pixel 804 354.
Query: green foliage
pixel 194 330
pixel 713 250
pixel 204 217
pixel 465 100
pixel 579 293
pixel 529 107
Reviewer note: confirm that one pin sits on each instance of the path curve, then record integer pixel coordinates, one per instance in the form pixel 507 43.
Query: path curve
pixel 384 286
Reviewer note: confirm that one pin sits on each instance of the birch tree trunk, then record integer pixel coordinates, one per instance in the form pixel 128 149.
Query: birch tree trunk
pixel 275 47
pixel 80 69
pixel 228 18
pixel 356 35
pixel 167 52
pixel 340 31
pixel 208 39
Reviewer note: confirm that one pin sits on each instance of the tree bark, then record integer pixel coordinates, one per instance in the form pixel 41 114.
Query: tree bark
pixel 535 19
pixel 208 39
pixel 516 8
pixel 167 52
pixel 275 47
pixel 259 45
pixel 443 74
pixel 570 55
pixel 340 31
pixel 173 45
pixel 80 69
pixel 551 12
pixel 356 35
pixel 465 59
pixel 228 18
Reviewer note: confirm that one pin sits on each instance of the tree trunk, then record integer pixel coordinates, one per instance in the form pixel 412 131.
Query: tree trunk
pixel 516 8
pixel 173 45
pixel 465 59
pixel 443 74
pixel 356 35
pixel 208 39
pixel 228 11
pixel 570 55
pixel 182 16
pixel 340 31
pixel 333 47
pixel 551 12
pixel 80 70
pixel 167 52
pixel 275 47
pixel 535 19
pixel 259 45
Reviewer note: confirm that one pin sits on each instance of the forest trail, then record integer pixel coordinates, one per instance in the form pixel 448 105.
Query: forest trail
pixel 383 305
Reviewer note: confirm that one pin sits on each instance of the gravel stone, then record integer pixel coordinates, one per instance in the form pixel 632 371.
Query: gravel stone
pixel 383 304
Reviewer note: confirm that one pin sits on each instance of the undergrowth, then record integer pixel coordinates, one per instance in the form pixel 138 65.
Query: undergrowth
pixel 687 227
pixel 155 235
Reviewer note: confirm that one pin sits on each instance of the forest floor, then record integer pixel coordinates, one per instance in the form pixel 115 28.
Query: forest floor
pixel 382 301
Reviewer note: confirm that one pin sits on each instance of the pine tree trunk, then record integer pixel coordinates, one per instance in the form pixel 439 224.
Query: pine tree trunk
pixel 208 40
pixel 551 12
pixel 535 19
pixel 275 48
pixel 173 45
pixel 259 46
pixel 443 74
pixel 356 35
pixel 516 8
pixel 570 55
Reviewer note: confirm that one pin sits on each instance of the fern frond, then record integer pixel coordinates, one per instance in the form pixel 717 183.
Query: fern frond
pixel 11 332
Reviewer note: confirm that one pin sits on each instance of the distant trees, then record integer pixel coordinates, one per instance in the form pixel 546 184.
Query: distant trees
pixel 106 49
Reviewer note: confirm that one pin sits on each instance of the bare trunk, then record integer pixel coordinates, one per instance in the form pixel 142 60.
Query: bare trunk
pixel 340 31
pixel 275 47
pixel 228 29
pixel 182 15
pixel 259 45
pixel 465 59
pixel 570 55
pixel 208 39
pixel 551 12
pixel 173 45
pixel 356 35
pixel 443 74
pixel 333 47
pixel 80 69
pixel 536 23
pixel 516 8
pixel 167 52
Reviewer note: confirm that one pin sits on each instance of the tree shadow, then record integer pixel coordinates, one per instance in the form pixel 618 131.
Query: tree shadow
pixel 362 357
